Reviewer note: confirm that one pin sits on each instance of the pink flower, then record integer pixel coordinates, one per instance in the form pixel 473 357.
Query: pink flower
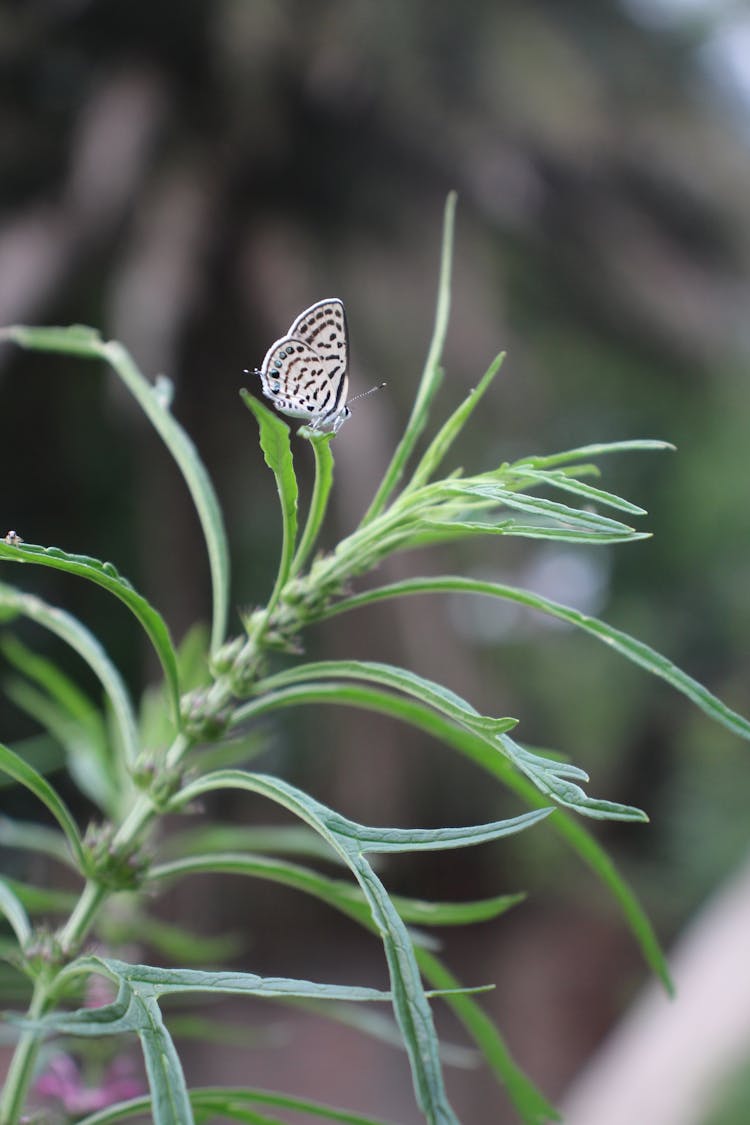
pixel 63 1081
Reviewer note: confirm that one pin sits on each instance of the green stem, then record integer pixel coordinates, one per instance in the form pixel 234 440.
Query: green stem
pixel 285 568
pixel 21 1070
pixel 78 925
pixel 71 937
pixel 319 503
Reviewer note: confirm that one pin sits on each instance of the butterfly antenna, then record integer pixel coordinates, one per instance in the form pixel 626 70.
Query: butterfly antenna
pixel 371 391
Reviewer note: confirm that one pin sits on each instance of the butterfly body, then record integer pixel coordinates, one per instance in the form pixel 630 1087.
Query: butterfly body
pixel 304 373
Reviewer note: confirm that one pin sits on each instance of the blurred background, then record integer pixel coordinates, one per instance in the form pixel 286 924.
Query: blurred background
pixel 188 176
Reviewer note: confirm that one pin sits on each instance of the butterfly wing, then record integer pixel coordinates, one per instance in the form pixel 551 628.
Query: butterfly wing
pixel 305 372
pixel 323 328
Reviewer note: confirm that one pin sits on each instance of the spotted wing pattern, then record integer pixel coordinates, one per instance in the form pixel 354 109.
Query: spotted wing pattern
pixel 305 372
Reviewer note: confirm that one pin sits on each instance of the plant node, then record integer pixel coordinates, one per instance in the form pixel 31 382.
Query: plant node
pixel 113 867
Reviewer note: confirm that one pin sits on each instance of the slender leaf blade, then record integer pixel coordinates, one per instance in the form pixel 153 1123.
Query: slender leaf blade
pixel 105 575
pixel 15 912
pixel 616 639
pixel 83 641
pixel 229 1101
pixel 74 339
pixel 25 775
pixel 154 979
pixel 87 342
pixel 145 982
pixel 443 440
pixel 83 742
pixel 194 474
pixel 30 836
pixel 336 892
pixel 566 483
pixel 436 532
pixel 530 1103
pixel 277 451
pixel 598 450
pixel 279 839
pixel 409 1001
pixel 431 375
pixel 552 777
pixel 538 506
pixel 42 900
pixel 476 749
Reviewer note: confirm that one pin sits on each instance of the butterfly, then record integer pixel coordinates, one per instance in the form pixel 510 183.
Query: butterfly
pixel 305 373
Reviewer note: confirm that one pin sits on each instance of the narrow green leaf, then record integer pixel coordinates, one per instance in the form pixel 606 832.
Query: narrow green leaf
pixel 277 451
pixel 87 343
pixel 76 339
pixel 222 1101
pixel 84 742
pixel 168 982
pixel 569 484
pixel 335 892
pixel 48 675
pixel 279 839
pixel 620 642
pixel 170 1104
pixel 29 836
pixel 437 695
pixel 409 1001
pixel 447 532
pixel 41 752
pixel 431 375
pixel 150 982
pixel 530 1103
pixel 136 1009
pixel 477 749
pixel 443 440
pixel 375 1024
pixel 13 909
pixel 181 945
pixel 104 574
pixel 65 626
pixel 228 1101
pixel 599 450
pixel 42 900
pixel 345 834
pixel 553 777
pixel 23 773
pixel 206 1030
pixel 535 505
pixel 194 474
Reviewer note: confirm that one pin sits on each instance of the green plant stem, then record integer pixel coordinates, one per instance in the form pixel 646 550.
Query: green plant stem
pixel 78 925
pixel 21 1070
pixel 71 937
pixel 319 503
